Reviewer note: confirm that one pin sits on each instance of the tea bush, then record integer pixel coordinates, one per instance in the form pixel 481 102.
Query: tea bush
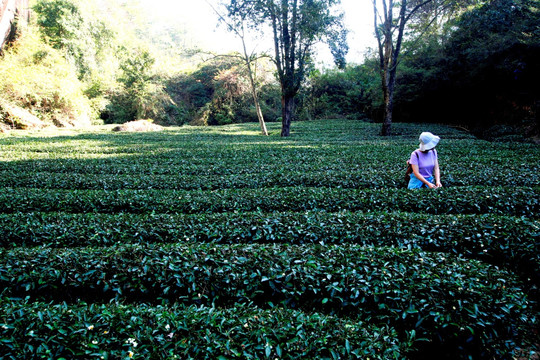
pixel 34 330
pixel 465 200
pixel 507 241
pixel 219 243
pixel 404 289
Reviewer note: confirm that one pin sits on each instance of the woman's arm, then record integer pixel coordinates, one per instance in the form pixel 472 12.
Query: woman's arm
pixel 437 174
pixel 421 178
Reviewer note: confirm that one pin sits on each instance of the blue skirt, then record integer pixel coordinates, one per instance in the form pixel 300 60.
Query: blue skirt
pixel 414 183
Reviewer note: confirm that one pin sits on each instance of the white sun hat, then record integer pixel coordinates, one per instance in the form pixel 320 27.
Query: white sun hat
pixel 428 141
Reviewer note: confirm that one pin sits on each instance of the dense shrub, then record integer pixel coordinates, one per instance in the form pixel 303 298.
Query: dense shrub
pixel 352 93
pixel 52 92
pixel 220 225
pixel 502 240
pixel 178 332
pixel 464 200
pixel 141 95
pixel 408 290
pixel 479 73
pixel 218 92
pixel 70 26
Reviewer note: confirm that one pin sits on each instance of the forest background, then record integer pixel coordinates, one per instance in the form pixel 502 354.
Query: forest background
pixel 78 63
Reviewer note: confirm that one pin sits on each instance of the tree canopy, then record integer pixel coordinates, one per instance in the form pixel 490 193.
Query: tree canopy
pixel 481 73
pixel 296 26
pixel 467 62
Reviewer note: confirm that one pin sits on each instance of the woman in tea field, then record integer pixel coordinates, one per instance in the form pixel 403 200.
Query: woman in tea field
pixel 425 163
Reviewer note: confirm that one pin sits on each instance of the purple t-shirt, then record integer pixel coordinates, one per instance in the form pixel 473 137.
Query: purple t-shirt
pixel 425 161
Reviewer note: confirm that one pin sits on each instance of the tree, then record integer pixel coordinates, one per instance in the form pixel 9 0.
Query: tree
pixel 340 93
pixel 74 30
pixel 141 95
pixel 489 67
pixel 296 26
pixel 390 30
pixel 236 22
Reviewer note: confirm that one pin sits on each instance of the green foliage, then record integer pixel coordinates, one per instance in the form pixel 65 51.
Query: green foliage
pixel 178 332
pixel 136 68
pixel 36 77
pixel 507 241
pixel 209 229
pixel 193 198
pixel 351 92
pixel 59 19
pixel 118 85
pixel 332 169
pixel 141 96
pixel 333 280
pixel 407 290
pixel 296 26
pixel 67 27
pixel 217 93
pixel 479 70
pixel 61 78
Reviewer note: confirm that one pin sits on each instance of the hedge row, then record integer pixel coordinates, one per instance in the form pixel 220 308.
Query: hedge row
pixel 48 331
pixel 156 226
pixel 262 160
pixel 517 201
pixel 436 295
pixel 181 181
pixel 509 241
pixel 268 159
pixel 348 178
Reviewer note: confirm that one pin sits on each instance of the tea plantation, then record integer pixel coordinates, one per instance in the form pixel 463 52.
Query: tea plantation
pixel 219 243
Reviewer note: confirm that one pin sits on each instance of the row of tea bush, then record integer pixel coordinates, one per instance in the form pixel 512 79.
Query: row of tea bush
pixel 516 201
pixel 436 295
pixel 220 244
pixel 36 330
pixel 503 240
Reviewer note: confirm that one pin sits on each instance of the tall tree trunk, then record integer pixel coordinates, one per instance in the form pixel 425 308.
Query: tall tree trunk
pixel 259 112
pixel 389 79
pixel 388 107
pixel 252 83
pixel 287 103
pixel 389 53
pixel 10 11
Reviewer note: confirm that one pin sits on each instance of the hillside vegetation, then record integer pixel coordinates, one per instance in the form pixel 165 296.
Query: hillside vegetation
pixel 218 243
pixel 93 62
